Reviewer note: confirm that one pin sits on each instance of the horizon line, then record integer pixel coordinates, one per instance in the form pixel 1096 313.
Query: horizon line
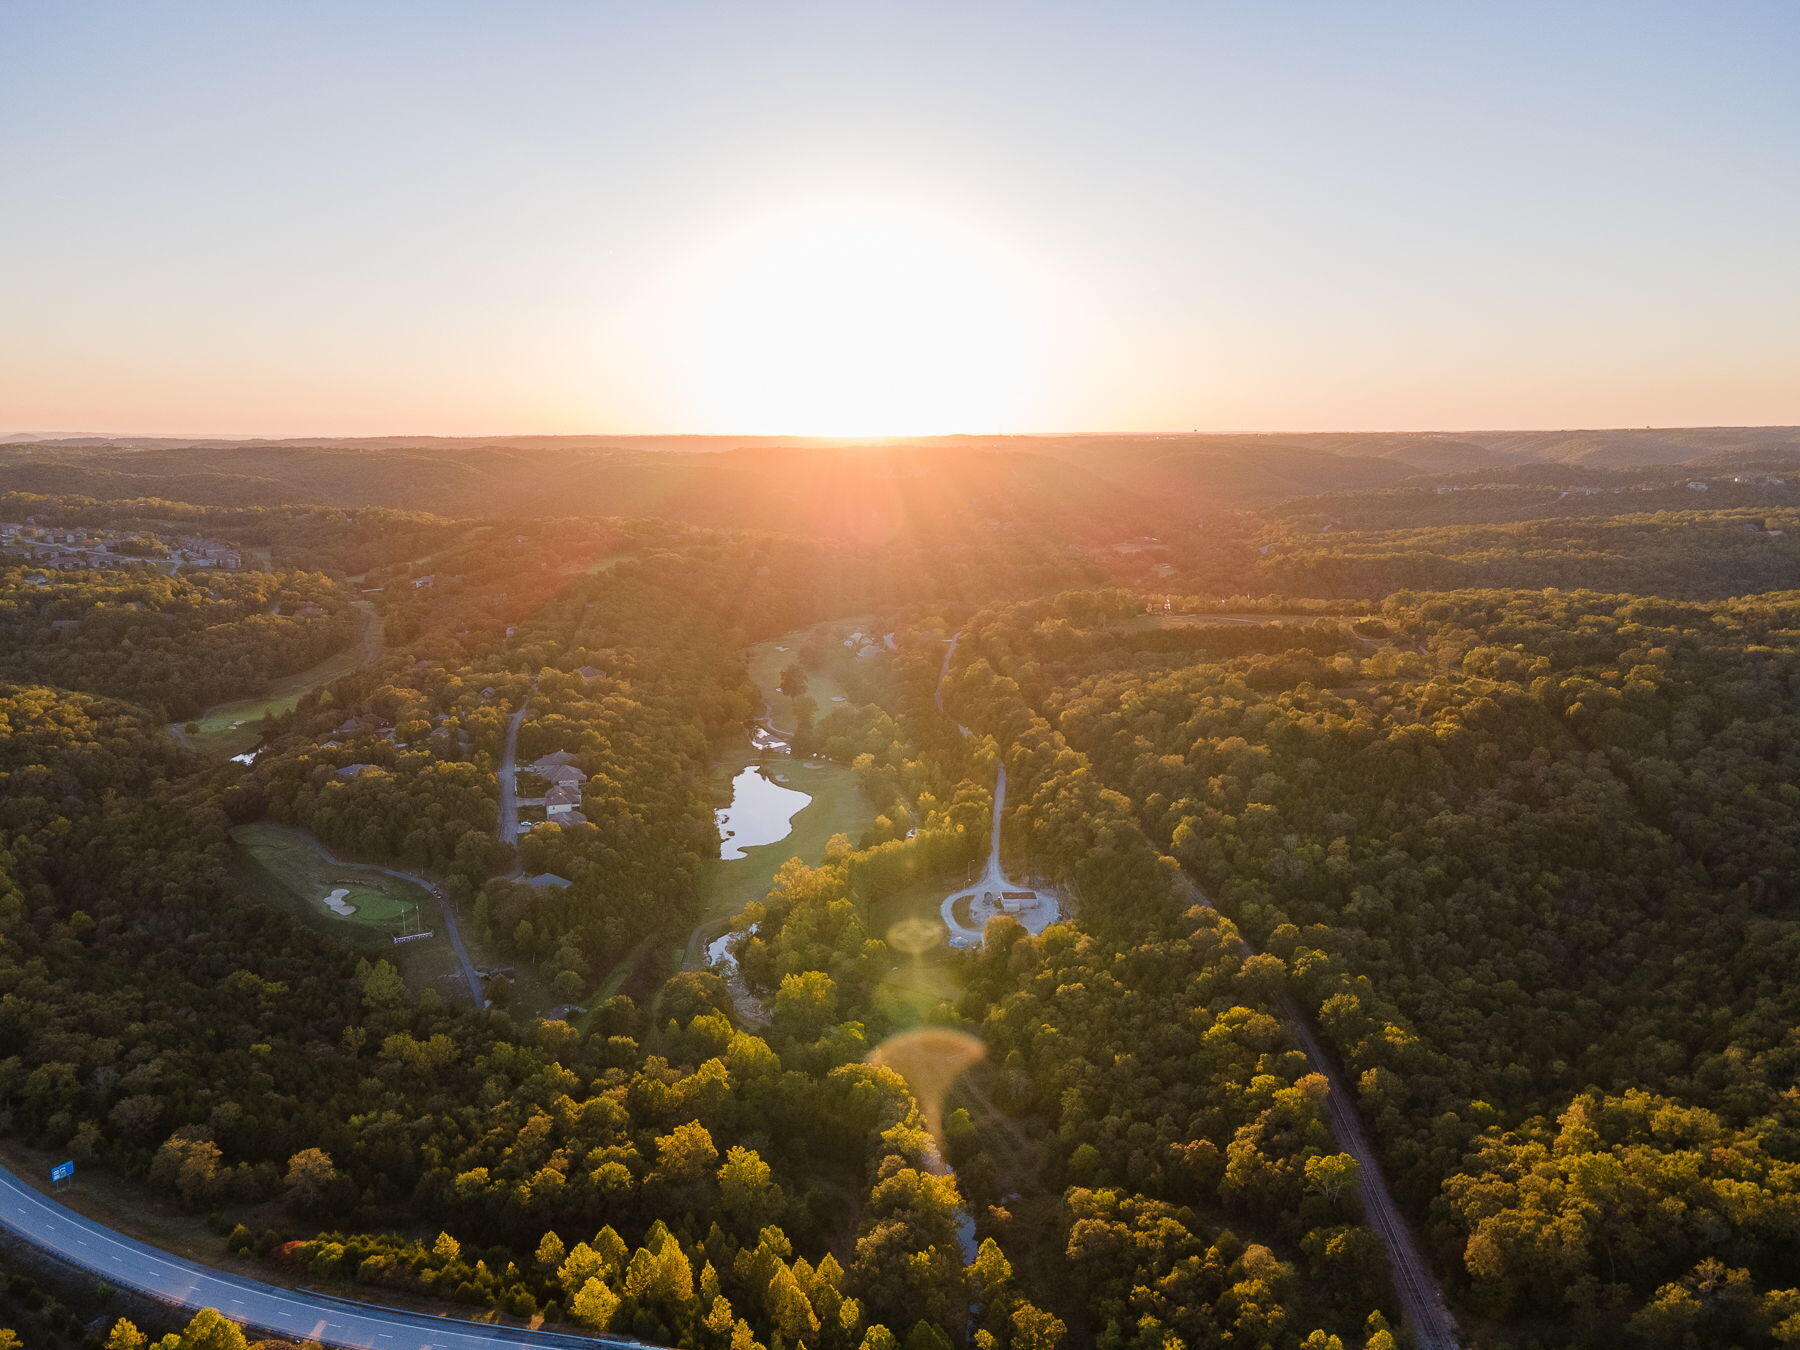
pixel 16 438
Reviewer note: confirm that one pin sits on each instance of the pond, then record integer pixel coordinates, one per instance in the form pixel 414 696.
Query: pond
pixel 762 811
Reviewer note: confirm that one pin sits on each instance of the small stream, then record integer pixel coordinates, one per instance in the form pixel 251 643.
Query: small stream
pixel 762 812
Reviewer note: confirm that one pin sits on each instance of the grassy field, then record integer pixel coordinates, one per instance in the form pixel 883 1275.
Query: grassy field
pixel 287 867
pixel 768 659
pixel 837 807
pixel 926 969
pixel 233 728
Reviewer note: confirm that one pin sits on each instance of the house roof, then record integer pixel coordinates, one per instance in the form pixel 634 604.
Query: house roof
pixel 563 773
pixel 354 770
pixel 555 757
pixel 590 672
pixel 563 794
pixel 548 879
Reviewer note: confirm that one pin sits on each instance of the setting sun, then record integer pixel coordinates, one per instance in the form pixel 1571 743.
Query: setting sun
pixel 861 320
pixel 801 675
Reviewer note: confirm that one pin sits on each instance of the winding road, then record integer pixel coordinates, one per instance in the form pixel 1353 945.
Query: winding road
pixel 446 910
pixel 300 1315
pixel 1037 914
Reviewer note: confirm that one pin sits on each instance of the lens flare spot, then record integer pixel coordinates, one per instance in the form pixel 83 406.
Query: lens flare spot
pixel 915 936
pixel 930 1059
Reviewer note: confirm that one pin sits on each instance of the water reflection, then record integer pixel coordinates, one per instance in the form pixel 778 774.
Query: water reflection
pixel 762 811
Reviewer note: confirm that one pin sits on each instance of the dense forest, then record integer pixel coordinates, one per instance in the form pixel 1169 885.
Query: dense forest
pixel 1502 808
pixel 1682 554
pixel 1529 860
pixel 175 644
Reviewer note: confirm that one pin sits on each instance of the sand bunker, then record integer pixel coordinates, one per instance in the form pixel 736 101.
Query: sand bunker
pixel 336 904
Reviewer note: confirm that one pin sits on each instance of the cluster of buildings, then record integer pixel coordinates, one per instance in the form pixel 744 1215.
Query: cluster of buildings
pixel 865 645
pixel 1589 490
pixel 367 724
pixel 562 798
pixel 80 548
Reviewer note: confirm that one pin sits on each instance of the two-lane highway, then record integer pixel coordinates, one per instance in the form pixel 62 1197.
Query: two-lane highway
pixel 297 1314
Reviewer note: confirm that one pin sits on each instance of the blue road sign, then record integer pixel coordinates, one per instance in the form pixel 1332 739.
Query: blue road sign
pixel 62 1171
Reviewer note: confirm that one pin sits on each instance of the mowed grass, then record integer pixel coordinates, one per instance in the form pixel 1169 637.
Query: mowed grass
pixel 768 659
pixel 287 867
pixel 927 972
pixel 232 728
pixel 837 807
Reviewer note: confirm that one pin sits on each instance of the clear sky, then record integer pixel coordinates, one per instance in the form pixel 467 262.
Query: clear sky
pixel 845 217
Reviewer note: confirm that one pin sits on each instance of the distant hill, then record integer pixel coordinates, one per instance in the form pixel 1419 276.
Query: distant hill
pixel 1088 484
pixel 846 493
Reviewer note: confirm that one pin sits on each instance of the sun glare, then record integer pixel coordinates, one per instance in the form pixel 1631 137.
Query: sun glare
pixel 861 321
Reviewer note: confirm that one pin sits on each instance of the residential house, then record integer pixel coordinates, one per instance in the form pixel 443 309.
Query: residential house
pixel 561 799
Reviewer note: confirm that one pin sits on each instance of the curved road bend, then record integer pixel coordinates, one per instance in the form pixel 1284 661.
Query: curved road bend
pixel 297 1314
pixel 446 911
pixel 1421 1300
pixel 992 878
